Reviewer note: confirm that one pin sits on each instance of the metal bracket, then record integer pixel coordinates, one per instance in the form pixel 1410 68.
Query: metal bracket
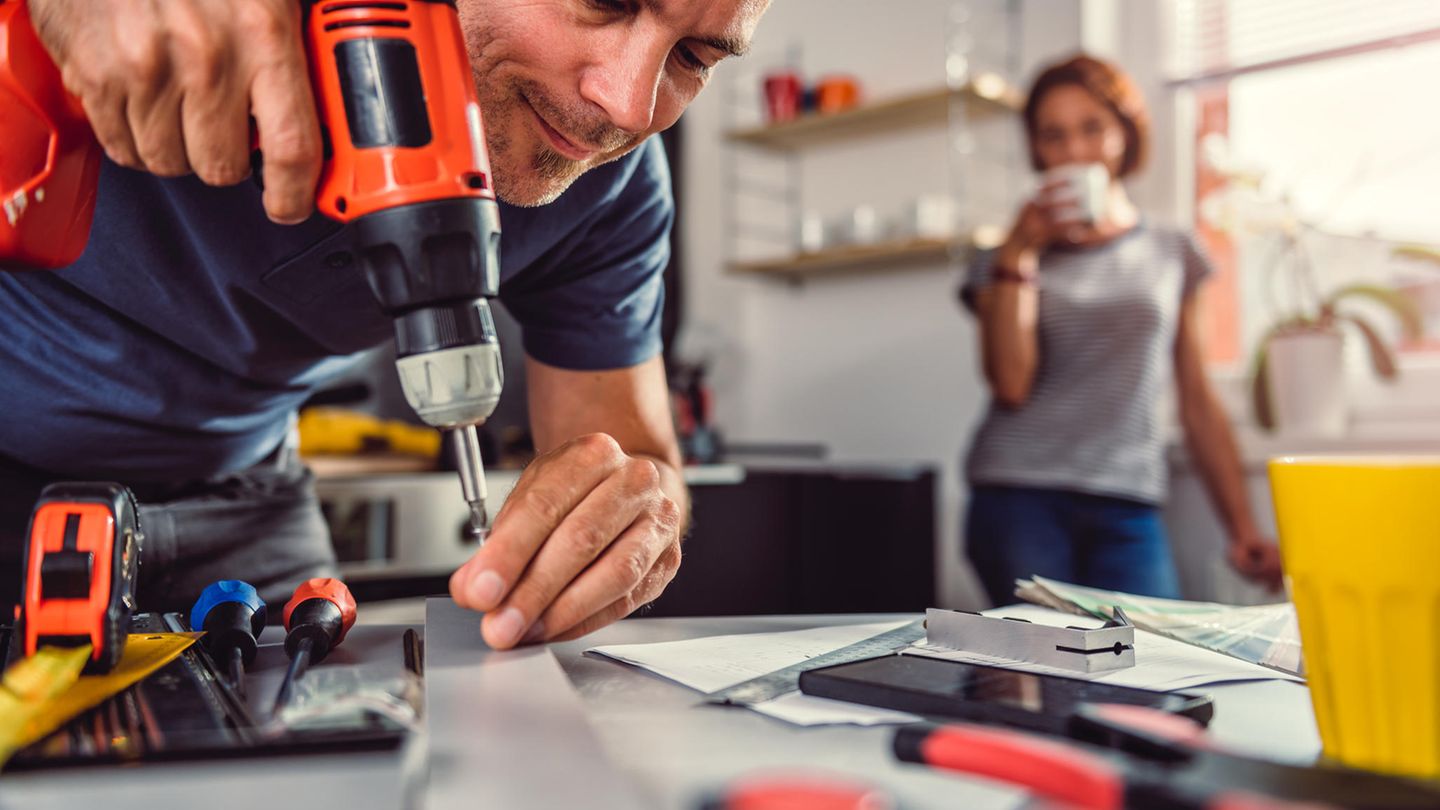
pixel 1080 649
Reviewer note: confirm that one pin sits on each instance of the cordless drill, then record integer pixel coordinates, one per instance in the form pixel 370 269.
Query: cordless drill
pixel 406 169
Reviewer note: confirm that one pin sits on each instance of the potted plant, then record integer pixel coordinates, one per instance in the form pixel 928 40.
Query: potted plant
pixel 1298 379
pixel 1298 373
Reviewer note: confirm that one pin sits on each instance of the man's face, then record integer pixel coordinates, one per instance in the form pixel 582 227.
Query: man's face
pixel 567 85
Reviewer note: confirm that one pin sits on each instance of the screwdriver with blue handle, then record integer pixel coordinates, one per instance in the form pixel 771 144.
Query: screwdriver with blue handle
pixel 317 618
pixel 232 615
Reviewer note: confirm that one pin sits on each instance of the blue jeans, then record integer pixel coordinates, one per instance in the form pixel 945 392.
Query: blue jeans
pixel 1093 540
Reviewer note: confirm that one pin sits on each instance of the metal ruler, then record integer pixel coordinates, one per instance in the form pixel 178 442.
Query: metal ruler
pixel 784 681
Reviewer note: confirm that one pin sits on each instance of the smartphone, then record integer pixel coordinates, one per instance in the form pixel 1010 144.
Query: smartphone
pixel 951 689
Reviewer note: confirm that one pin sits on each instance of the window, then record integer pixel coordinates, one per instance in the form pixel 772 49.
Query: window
pixel 1330 105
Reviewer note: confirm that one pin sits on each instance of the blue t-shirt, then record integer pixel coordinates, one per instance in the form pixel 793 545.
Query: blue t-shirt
pixel 182 341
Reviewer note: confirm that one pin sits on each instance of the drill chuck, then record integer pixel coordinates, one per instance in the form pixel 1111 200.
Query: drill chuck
pixel 446 325
pixel 433 267
pixel 449 363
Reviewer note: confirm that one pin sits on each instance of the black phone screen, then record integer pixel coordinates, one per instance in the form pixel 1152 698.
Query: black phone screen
pixel 931 686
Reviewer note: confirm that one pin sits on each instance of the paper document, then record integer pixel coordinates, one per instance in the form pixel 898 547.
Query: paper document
pixel 1160 663
pixel 711 664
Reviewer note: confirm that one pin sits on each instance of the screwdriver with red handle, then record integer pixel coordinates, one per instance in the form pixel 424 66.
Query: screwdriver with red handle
pixel 317 618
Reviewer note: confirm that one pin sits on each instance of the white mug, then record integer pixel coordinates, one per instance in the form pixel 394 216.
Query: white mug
pixel 1083 192
pixel 812 236
pixel 862 226
pixel 931 216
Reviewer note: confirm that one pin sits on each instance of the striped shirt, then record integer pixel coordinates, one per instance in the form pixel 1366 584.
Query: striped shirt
pixel 1106 334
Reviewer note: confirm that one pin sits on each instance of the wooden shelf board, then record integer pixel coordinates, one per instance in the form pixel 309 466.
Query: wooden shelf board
pixel 848 258
pixel 883 256
pixel 987 94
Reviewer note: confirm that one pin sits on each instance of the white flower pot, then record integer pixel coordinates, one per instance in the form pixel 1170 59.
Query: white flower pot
pixel 1307 384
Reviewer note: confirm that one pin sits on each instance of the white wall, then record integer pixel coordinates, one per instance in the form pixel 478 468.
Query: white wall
pixel 879 367
pixel 1130 32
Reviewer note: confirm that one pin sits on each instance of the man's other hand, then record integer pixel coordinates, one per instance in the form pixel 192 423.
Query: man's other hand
pixel 587 536
pixel 169 87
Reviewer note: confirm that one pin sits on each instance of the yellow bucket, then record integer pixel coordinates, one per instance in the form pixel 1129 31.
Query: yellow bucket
pixel 1360 538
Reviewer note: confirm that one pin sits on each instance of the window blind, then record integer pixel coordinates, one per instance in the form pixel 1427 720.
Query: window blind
pixel 1218 39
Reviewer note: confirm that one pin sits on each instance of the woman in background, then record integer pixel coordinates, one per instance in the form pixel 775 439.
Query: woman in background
pixel 1087 311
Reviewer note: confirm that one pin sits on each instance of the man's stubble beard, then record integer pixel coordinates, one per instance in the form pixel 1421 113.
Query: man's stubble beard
pixel 531 178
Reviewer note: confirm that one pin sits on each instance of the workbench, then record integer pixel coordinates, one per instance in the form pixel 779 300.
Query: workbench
pixel 657 736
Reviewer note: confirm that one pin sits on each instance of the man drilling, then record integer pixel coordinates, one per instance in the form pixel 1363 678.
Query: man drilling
pixel 172 355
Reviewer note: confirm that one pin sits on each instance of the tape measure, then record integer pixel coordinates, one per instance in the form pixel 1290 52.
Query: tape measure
pixel 42 692
pixel 784 681
pixel 81 556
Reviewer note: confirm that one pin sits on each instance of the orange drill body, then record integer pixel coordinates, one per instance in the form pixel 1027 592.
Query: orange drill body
pixel 397 102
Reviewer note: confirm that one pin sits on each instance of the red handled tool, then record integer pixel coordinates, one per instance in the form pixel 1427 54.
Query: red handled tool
pixel 1088 778
pixel 81 559
pixel 799 793
pixel 1048 768
pixel 50 164
pixel 317 618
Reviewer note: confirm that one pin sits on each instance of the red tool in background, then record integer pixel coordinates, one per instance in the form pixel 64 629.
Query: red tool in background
pixel 1065 774
pixel 50 163
pixel 1138 758
pixel 799 792
pixel 81 559
pixel 405 167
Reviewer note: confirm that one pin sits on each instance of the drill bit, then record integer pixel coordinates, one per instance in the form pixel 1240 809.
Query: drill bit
pixel 472 482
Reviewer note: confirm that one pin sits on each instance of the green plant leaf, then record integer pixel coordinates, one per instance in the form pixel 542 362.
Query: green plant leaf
pixel 1398 303
pixel 1423 252
pixel 1382 358
pixel 1260 391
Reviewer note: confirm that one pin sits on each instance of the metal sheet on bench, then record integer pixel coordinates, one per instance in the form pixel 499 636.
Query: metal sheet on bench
pixel 507 729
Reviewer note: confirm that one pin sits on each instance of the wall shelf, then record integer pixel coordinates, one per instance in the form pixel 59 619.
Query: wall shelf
pixel 854 258
pixel 986 94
